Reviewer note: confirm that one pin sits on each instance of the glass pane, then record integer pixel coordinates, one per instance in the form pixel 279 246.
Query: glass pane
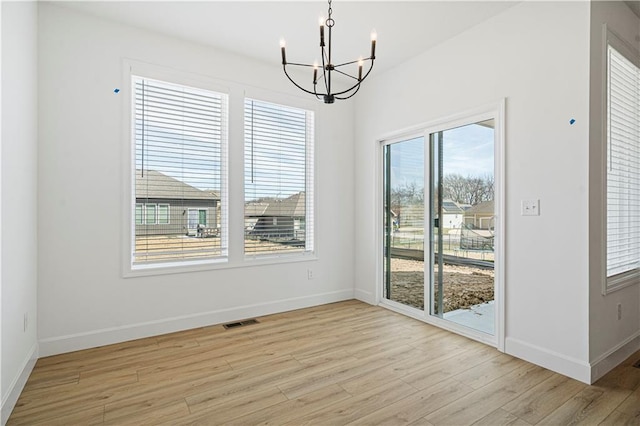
pixel 278 168
pixel 163 214
pixel 138 214
pixel 404 222
pixel 463 226
pixel 180 133
pixel 150 214
pixel 202 219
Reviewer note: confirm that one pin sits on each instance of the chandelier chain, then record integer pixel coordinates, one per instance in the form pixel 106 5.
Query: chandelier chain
pixel 329 22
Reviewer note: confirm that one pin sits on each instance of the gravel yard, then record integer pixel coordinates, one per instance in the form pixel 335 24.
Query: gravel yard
pixel 464 286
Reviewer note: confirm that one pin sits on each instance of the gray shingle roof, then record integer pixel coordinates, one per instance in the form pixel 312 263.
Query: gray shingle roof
pixel 451 207
pixel 158 185
pixel 486 207
pixel 294 206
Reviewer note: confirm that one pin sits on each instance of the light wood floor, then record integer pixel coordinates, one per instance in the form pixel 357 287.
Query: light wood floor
pixel 343 363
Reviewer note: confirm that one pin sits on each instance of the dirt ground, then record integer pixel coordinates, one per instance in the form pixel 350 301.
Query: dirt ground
pixel 464 286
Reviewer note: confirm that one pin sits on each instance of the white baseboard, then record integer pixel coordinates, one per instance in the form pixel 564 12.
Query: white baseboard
pixel 92 339
pixel 553 361
pixel 365 296
pixel 610 359
pixel 17 385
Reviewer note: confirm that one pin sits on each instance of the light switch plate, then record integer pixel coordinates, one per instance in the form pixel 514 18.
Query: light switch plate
pixel 530 207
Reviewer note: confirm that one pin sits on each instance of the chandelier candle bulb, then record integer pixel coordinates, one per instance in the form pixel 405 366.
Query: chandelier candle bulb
pixel 315 73
pixel 360 64
pixel 374 37
pixel 284 55
pixel 321 21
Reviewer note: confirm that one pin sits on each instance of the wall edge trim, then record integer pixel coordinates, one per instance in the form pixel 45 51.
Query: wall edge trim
pixel 79 341
pixel 15 388
pixel 554 361
pixel 613 357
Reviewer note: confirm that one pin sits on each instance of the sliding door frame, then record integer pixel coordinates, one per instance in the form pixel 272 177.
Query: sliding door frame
pixel 494 111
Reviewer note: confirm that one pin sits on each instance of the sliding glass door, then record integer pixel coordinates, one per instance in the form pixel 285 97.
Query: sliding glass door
pixel 463 225
pixel 404 222
pixel 440 226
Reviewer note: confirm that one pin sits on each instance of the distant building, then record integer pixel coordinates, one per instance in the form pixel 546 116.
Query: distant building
pixel 480 216
pixel 281 219
pixel 167 206
pixel 412 216
pixel 452 215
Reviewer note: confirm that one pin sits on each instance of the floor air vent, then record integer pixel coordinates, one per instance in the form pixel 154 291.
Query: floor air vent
pixel 637 364
pixel 240 323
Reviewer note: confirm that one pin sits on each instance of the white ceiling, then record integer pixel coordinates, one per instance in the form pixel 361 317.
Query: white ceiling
pixel 254 29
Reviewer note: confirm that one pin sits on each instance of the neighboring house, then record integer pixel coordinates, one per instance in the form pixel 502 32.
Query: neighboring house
pixel 412 216
pixel 452 215
pixel 480 216
pixel 252 213
pixel 282 219
pixel 167 206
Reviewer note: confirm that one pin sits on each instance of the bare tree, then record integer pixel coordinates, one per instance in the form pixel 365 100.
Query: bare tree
pixel 406 194
pixel 468 190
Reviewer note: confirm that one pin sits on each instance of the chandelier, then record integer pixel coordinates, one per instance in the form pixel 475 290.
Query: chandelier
pixel 328 67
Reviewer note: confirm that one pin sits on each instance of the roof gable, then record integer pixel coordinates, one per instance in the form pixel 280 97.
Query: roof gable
pixel 160 186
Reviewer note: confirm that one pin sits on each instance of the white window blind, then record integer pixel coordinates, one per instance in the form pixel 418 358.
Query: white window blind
pixel 180 135
pixel 278 165
pixel 623 169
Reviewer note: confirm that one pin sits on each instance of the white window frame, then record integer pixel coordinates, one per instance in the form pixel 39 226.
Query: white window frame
pixel 610 38
pixel 132 68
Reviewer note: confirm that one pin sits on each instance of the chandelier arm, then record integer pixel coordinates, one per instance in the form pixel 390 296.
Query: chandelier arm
pixel 315 91
pixel 357 87
pixel 368 72
pixel 354 86
pixel 324 70
pixel 347 90
pixel 345 74
pixel 299 65
pixel 353 62
pixel 284 68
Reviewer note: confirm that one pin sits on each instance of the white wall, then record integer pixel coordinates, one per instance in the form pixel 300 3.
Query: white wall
pixel 83 298
pixel 607 333
pixel 19 197
pixel 536 55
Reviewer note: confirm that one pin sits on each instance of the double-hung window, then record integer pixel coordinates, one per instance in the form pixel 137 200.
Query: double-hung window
pixel 278 186
pixel 180 135
pixel 623 165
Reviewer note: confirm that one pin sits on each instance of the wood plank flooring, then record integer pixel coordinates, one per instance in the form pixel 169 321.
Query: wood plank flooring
pixel 343 363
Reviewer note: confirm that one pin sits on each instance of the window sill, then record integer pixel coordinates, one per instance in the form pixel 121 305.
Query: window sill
pixel 620 281
pixel 214 264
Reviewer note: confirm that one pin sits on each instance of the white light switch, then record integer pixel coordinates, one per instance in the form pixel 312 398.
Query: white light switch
pixel 530 207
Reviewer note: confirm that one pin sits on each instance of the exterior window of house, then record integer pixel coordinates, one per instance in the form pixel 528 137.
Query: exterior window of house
pixel 623 165
pixel 139 216
pixel 150 214
pixel 179 163
pixel 163 214
pixel 278 170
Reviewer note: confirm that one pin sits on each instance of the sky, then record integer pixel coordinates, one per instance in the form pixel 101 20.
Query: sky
pixel 467 151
